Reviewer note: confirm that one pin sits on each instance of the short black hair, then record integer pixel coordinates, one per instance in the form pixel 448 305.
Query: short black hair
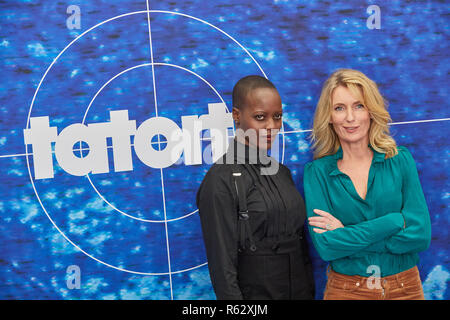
pixel 247 84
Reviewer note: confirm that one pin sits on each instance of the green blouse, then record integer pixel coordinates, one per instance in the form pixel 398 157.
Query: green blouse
pixel 373 233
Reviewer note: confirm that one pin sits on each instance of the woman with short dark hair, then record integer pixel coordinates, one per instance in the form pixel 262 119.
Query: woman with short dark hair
pixel 252 217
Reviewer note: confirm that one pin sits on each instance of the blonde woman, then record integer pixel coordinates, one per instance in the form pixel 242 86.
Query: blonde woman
pixel 366 209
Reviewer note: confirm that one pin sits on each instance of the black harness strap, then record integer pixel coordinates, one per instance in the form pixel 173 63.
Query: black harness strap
pixel 245 231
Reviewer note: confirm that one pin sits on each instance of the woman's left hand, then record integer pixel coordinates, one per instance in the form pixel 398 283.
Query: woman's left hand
pixel 325 222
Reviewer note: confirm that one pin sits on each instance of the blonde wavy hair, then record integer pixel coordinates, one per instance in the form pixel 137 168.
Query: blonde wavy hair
pixel 324 138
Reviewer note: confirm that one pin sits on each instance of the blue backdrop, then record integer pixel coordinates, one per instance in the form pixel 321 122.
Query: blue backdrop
pixel 136 234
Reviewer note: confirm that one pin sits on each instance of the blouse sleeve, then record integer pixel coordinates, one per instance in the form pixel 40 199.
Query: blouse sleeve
pixel 416 235
pixel 342 242
pixel 218 216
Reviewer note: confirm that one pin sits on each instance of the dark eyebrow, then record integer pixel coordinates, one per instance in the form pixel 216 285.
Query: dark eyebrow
pixel 259 111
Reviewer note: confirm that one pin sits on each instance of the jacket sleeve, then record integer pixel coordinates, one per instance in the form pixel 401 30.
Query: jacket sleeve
pixel 218 216
pixel 343 242
pixel 416 235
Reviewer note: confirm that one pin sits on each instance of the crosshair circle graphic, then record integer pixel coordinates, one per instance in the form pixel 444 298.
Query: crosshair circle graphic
pixel 147 12
pixel 92 101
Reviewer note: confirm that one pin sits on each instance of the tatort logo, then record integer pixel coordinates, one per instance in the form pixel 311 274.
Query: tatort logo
pixel 120 129
pixel 116 147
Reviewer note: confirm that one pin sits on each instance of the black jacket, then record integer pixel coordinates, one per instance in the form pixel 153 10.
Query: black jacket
pixel 279 267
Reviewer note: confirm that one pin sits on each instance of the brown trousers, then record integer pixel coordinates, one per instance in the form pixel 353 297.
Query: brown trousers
pixel 405 285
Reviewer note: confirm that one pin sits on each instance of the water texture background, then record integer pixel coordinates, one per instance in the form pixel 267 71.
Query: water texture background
pixel 52 224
